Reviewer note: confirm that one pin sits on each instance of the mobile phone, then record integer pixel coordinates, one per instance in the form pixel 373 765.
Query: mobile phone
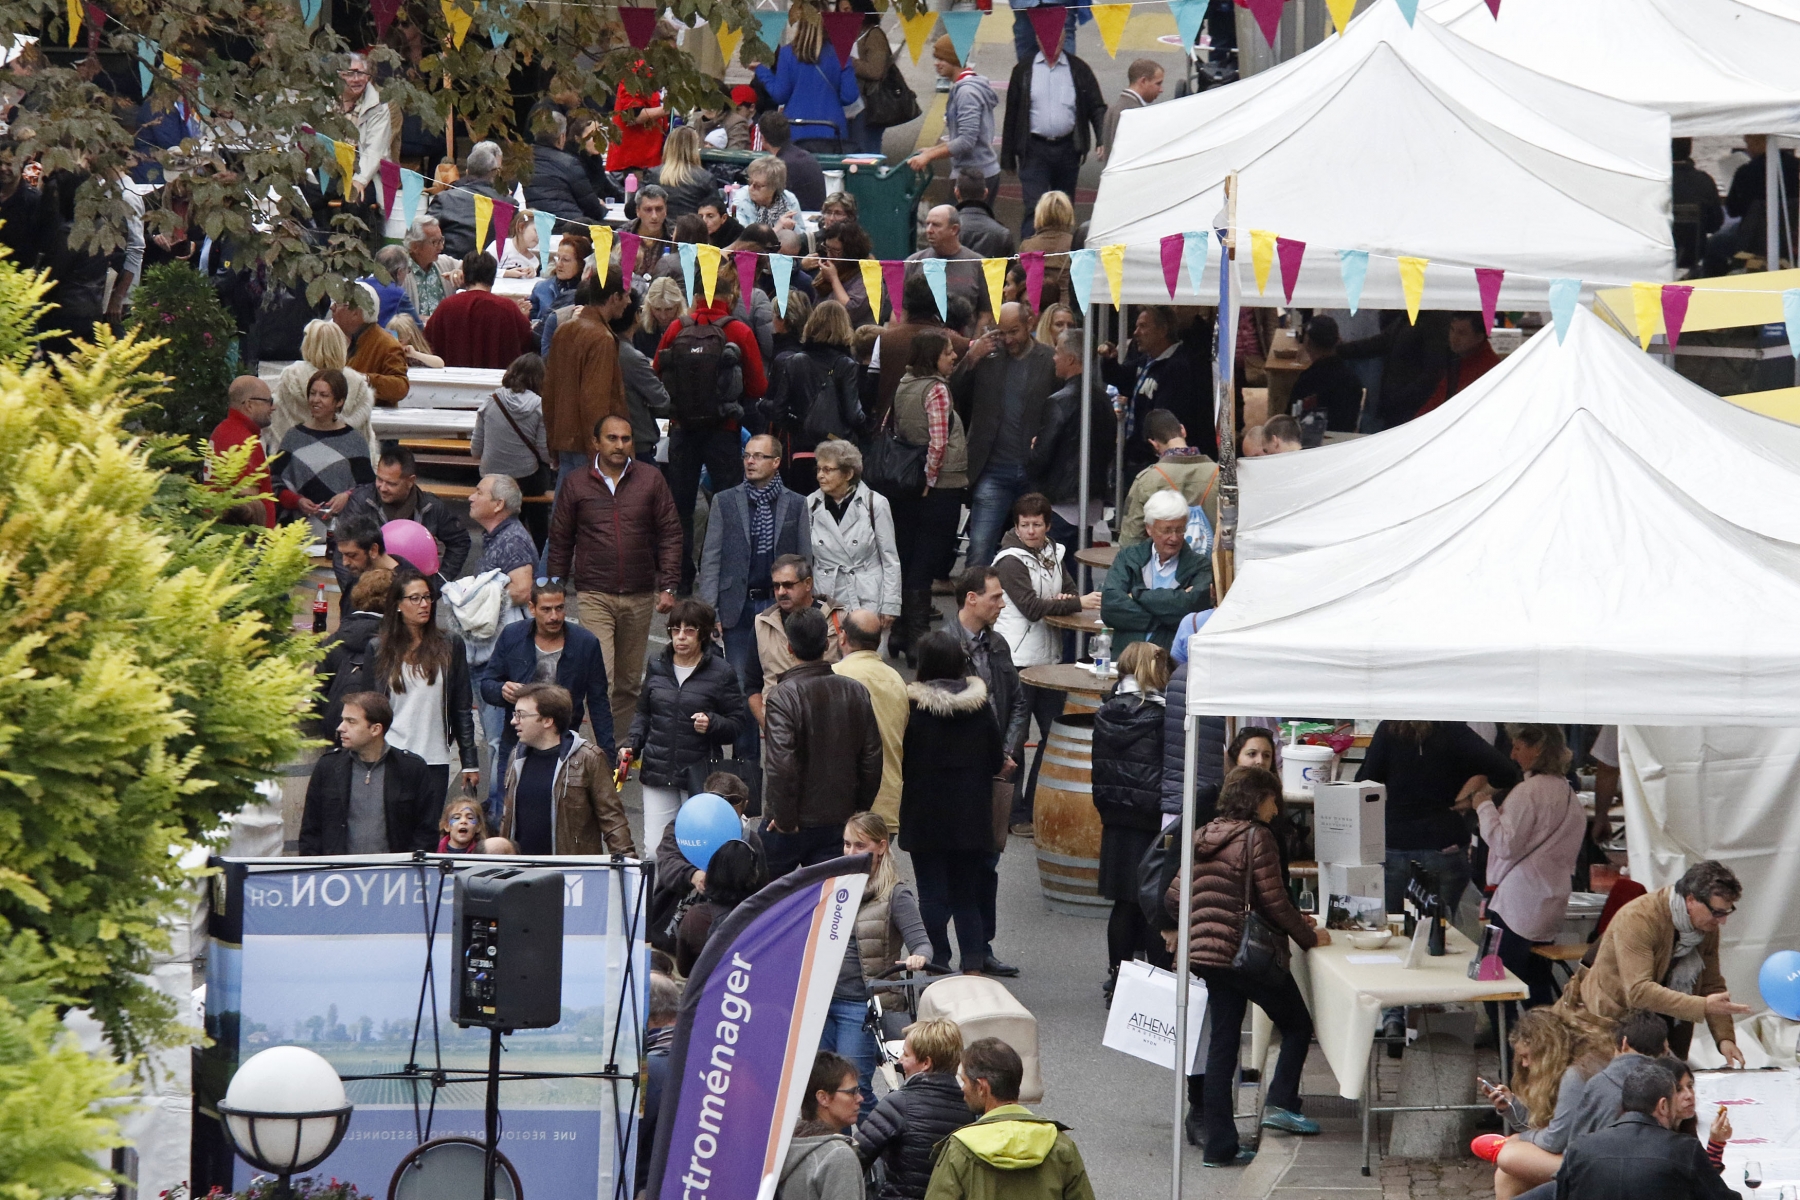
pixel 1487 1089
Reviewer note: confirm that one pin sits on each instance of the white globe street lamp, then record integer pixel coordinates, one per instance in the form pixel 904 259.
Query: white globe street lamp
pixel 285 1112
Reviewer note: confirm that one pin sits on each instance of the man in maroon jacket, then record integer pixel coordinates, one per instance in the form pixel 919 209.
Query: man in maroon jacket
pixel 476 328
pixel 615 525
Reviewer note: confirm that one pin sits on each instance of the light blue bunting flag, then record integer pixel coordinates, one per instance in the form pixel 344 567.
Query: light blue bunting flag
pixel 1408 9
pixel 148 53
pixel 1564 294
pixel 546 227
pixel 781 269
pixel 688 253
pixel 309 11
pixel 412 187
pixel 961 27
pixel 330 149
pixel 1790 309
pixel 773 24
pixel 934 275
pixel 1081 276
pixel 1194 248
pixel 1189 14
pixel 1353 265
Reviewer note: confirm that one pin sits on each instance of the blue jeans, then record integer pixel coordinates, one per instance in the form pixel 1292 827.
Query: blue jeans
pixel 493 728
pixel 1025 39
pixel 847 1033
pixel 990 509
pixel 740 652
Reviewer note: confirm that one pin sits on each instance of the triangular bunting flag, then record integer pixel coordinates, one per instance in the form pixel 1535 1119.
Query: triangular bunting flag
pixel 1110 20
pixel 1289 253
pixel 1081 277
pixel 602 237
pixel 688 259
pixel 1564 295
pixel 74 20
pixel 345 153
pixel 1675 298
pixel 384 11
pixel 1494 7
pixel 1171 247
pixel 1488 280
pixel 1047 22
pixel 1262 257
pixel 390 187
pixel 1033 262
pixel 770 26
pixel 639 23
pixel 871 277
pixel 1189 16
pixel 412 190
pixel 484 216
pixel 330 149
pixel 841 30
pixel 1268 17
pixel 1341 12
pixel 1408 9
pixel 503 217
pixel 1194 250
pixel 993 270
pixel 1112 261
pixel 1646 308
pixel 710 256
pixel 309 12
pixel 454 16
pixel 729 41
pixel 1412 283
pixel 918 29
pixel 546 229
pixel 628 254
pixel 933 269
pixel 893 282
pixel 961 26
pixel 147 54
pixel 1353 267
pixel 781 270
pixel 1790 311
pixel 500 12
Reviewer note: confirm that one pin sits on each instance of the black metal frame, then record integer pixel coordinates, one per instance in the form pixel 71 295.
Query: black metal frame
pixel 254 1154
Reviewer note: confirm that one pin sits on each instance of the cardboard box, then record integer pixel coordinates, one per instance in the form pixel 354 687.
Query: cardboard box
pixel 1344 879
pixel 1350 827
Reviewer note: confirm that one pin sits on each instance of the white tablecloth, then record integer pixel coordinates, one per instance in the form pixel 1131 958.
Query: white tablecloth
pixel 432 387
pixel 423 422
pixel 1765 1123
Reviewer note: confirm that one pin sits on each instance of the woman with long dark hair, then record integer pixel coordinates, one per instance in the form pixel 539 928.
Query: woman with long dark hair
pixel 424 672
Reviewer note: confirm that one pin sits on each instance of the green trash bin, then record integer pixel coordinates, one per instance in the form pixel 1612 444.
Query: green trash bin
pixel 887 196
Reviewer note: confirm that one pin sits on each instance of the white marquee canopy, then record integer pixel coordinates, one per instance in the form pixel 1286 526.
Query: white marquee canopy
pixel 1397 140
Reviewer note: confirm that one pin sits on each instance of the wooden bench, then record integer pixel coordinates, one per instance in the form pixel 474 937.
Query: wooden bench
pixel 462 491
pixel 431 445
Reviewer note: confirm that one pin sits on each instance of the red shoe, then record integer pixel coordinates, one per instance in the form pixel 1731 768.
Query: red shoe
pixel 1487 1147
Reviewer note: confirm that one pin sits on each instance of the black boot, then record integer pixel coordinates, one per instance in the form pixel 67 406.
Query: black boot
pixel 1196 1132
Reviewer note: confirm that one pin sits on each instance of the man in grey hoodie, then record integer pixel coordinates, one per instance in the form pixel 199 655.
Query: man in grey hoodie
pixel 821 1160
pixel 968 140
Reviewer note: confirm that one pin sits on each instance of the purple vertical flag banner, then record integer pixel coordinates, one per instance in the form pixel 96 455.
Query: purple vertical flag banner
pixel 751 1017
pixel 1172 246
pixel 1488 279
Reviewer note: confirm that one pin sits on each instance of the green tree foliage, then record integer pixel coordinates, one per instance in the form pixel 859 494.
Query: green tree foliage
pixel 178 307
pixel 149 675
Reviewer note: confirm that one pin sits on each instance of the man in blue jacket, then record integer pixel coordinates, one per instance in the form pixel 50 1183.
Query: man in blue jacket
pixel 546 649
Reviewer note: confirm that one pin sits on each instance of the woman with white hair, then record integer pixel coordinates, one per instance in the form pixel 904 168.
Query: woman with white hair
pixel 855 559
pixel 324 348
pixel 1155 583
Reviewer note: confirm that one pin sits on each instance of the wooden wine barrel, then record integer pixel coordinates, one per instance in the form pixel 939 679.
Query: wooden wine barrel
pixel 1067 826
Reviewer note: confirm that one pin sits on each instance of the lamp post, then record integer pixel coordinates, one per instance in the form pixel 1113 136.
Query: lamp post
pixel 285 1112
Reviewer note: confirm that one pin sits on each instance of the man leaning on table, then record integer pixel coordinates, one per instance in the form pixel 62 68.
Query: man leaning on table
pixel 1155 583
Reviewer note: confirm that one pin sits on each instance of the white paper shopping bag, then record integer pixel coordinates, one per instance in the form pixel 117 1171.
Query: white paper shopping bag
pixel 1142 1019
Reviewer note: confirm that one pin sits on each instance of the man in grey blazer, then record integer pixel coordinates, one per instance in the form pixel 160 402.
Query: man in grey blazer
pixel 1003 385
pixel 751 526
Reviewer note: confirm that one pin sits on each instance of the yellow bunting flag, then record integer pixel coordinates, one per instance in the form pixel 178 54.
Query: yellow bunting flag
pixel 1646 305
pixel 1412 283
pixel 1112 260
pixel 602 237
pixel 729 41
pixel 345 153
pixel 75 24
pixel 456 17
pixel 994 271
pixel 171 62
pixel 1341 12
pixel 1110 20
pixel 708 257
pixel 871 273
pixel 918 28
pixel 484 216
pixel 1262 256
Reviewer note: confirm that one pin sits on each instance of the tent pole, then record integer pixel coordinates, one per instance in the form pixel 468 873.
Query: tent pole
pixel 1772 204
pixel 1225 402
pixel 1119 485
pixel 1084 572
pixel 1190 731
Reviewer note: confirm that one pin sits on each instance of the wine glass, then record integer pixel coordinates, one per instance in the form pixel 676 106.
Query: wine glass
pixel 1753 1175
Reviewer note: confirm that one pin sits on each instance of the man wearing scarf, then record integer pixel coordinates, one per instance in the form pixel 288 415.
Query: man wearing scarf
pixel 751 526
pixel 1661 952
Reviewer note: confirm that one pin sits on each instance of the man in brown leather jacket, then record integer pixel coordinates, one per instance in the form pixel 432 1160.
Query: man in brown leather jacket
pixel 823 759
pixel 559 796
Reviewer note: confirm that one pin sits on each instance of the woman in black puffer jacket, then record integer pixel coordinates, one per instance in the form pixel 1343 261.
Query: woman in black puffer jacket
pixel 927 1108
pixel 1128 754
pixel 691 704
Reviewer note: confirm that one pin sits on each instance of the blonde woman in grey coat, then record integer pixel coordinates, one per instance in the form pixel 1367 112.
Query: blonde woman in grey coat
pixel 855 560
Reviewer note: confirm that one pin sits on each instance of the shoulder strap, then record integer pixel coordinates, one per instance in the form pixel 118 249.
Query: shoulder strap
pixel 1249 865
pixel 1157 467
pixel 501 405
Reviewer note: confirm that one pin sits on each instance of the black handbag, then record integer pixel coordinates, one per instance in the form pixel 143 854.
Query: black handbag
pixel 889 101
pixel 892 465
pixel 1261 956
pixel 745 769
pixel 1156 874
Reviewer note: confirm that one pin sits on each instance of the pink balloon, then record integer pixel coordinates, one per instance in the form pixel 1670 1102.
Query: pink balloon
pixel 413 542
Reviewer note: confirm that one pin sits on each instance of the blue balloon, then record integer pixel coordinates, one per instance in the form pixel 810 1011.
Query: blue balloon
pixel 706 822
pixel 1779 982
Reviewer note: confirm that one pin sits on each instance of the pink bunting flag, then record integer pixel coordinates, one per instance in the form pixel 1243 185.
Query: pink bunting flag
pixel 746 264
pixel 628 252
pixel 1288 252
pixel 1488 280
pixel 390 186
pixel 1494 7
pixel 1268 16
pixel 1675 298
pixel 893 282
pixel 385 11
pixel 1047 20
pixel 1172 247
pixel 640 25
pixel 841 30
pixel 503 215
pixel 1033 262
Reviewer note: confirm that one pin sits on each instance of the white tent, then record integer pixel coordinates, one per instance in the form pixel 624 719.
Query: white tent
pixel 1715 66
pixel 1397 140
pixel 1739 464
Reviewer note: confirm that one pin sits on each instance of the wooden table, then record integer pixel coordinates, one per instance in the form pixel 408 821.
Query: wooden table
pixel 1282 371
pixel 1098 557
pixel 1069 677
pixel 1081 622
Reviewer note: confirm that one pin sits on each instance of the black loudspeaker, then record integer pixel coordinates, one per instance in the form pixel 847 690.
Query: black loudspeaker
pixel 508 948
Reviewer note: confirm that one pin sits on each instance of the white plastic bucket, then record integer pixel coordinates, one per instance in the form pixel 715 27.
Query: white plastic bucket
pixel 1303 766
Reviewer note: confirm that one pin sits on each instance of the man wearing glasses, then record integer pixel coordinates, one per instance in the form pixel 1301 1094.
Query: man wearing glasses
pixel 435 274
pixel 1661 952
pixel 751 526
